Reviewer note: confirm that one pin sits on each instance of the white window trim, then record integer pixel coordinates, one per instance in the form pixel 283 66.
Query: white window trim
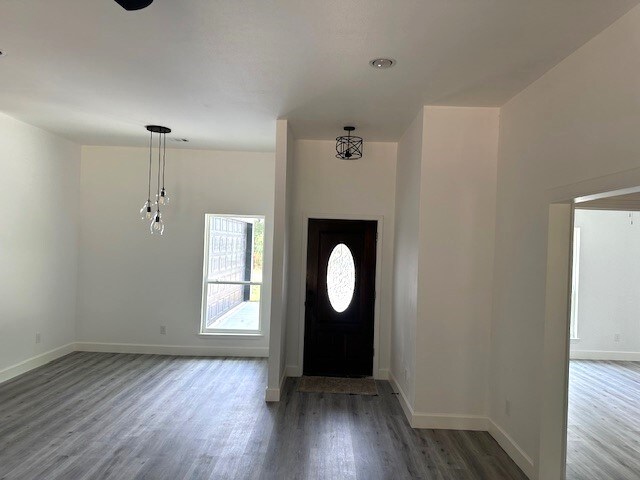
pixel 575 277
pixel 206 282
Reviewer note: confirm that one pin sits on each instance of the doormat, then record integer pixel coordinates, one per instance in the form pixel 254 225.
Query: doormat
pixel 350 386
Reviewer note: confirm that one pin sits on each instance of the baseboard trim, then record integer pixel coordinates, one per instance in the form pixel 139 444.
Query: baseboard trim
pixel 604 355
pixel 510 446
pixel 437 421
pixel 402 398
pixel 182 350
pixel 448 421
pixel 34 362
pixel 383 374
pixel 273 394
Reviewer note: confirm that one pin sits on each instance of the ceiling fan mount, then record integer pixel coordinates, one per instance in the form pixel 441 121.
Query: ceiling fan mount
pixel 134 4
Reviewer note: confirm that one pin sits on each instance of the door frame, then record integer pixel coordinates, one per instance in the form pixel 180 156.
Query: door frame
pixel 554 399
pixel 379 219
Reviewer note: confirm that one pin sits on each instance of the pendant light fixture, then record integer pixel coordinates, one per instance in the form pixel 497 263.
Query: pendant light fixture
pixel 147 212
pixel 349 147
pixel 134 4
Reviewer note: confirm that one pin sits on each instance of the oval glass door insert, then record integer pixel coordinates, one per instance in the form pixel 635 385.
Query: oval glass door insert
pixel 341 277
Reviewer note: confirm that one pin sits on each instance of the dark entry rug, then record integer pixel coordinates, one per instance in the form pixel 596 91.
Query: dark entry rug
pixel 351 386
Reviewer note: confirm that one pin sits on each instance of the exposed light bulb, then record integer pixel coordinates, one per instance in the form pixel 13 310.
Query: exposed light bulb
pixel 145 211
pixel 157 225
pixel 164 197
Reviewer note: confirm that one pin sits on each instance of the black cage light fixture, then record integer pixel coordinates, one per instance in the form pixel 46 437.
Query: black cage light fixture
pixel 349 147
pixel 151 211
pixel 131 5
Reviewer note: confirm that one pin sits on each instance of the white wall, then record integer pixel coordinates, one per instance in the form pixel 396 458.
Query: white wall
pixel 405 264
pixel 325 185
pixel 130 282
pixel 578 123
pixel 445 219
pixel 38 241
pixel 609 285
pixel 457 222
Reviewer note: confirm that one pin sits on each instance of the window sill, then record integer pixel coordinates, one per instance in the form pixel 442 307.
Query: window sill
pixel 231 334
pixel 574 339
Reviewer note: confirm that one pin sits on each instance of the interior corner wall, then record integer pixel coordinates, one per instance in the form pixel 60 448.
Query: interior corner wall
pixel 608 295
pixel 324 185
pixel 131 282
pixel 455 275
pixel 405 261
pixel 577 123
pixel 38 245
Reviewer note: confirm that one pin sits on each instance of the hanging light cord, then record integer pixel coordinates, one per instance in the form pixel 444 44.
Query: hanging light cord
pixel 159 165
pixel 164 156
pixel 150 154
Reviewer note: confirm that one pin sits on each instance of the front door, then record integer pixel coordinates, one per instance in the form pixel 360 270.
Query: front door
pixel 340 297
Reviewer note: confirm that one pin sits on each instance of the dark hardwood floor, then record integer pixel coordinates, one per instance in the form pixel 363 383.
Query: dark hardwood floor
pixel 603 440
pixel 98 415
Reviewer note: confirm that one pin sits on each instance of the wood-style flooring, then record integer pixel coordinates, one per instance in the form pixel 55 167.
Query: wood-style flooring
pixel 603 440
pixel 118 416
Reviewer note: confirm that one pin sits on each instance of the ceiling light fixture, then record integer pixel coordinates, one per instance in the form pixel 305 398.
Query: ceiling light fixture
pixel 2 54
pixel 162 197
pixel 381 63
pixel 349 147
pixel 131 5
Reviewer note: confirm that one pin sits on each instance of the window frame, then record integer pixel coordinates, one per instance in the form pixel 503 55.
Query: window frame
pixel 203 330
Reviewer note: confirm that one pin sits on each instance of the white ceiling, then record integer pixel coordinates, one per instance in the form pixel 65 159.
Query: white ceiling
pixel 219 72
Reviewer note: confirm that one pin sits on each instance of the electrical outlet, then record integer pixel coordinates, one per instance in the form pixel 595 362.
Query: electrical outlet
pixel 38 337
pixel 163 330
pixel 507 407
pixel 616 337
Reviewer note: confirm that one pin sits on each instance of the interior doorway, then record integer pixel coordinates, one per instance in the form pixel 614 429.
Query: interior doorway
pixel 340 297
pixel 603 414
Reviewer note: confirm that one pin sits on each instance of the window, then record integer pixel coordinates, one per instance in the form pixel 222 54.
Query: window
pixel 233 260
pixel 575 273
pixel 341 278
